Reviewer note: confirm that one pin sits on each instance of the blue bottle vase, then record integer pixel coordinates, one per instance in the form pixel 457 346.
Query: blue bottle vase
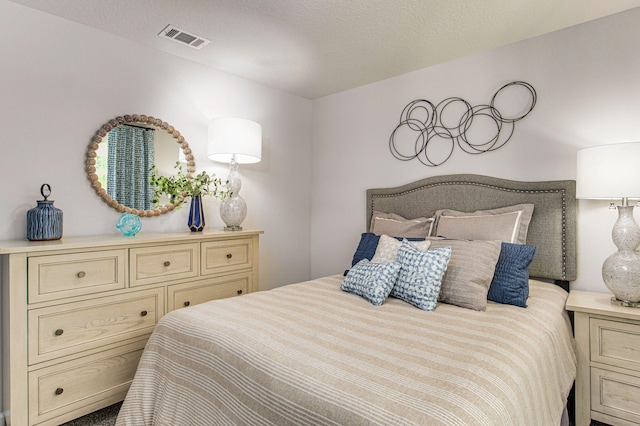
pixel 44 222
pixel 196 214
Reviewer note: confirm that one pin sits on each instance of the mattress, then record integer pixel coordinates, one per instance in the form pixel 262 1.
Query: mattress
pixel 311 354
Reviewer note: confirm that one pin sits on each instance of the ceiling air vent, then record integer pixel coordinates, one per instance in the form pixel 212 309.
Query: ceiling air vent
pixel 183 37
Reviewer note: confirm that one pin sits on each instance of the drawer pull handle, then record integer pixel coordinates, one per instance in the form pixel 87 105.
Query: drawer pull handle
pixel 229 255
pixel 143 313
pixel 187 303
pixel 81 274
pixel 59 391
pixel 167 263
pixel 239 291
pixel 59 332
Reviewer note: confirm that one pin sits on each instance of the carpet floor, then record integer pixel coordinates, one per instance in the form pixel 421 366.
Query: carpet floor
pixel 105 417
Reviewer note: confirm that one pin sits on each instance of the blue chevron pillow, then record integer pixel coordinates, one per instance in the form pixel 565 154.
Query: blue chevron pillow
pixel 420 275
pixel 371 281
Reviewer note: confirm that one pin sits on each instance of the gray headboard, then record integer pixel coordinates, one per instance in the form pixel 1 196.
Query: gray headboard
pixel 553 225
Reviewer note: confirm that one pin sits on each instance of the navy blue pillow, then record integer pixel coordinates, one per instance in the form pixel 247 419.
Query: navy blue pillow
pixel 510 284
pixel 368 245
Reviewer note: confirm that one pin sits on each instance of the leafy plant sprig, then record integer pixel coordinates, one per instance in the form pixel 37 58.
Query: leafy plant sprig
pixel 180 186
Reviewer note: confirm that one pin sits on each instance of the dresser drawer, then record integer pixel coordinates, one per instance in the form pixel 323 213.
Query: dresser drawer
pixel 189 294
pixel 615 343
pixel 615 394
pixel 226 256
pixel 66 275
pixel 165 263
pixel 77 387
pixel 70 328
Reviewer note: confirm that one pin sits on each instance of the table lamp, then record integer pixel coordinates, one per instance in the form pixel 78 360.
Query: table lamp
pixel 609 172
pixel 234 141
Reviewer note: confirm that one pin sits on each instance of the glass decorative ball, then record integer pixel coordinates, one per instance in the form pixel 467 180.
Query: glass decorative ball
pixel 129 224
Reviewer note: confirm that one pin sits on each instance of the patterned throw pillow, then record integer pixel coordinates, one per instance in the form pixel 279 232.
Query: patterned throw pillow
pixel 510 284
pixel 387 250
pixel 420 275
pixel 371 281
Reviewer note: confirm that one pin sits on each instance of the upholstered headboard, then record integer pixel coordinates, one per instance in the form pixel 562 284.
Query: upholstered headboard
pixel 553 225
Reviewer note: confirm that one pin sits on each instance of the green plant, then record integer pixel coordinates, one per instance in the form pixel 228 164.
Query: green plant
pixel 178 187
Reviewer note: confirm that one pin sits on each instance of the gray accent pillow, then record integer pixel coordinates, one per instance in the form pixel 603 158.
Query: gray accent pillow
pixel 469 273
pixel 508 224
pixel 397 226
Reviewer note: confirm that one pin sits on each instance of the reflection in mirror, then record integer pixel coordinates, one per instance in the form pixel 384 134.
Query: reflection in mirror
pixel 123 152
pixel 129 157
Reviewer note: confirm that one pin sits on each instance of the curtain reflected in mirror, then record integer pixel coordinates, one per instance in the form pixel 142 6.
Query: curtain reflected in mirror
pixel 124 165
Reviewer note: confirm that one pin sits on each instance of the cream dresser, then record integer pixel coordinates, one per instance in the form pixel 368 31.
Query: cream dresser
pixel 77 312
pixel 608 343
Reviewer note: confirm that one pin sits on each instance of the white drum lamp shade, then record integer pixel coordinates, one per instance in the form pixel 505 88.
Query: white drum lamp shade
pixel 613 172
pixel 608 172
pixel 234 136
pixel 234 141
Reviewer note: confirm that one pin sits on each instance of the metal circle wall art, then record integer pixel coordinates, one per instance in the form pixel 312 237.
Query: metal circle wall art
pixel 431 132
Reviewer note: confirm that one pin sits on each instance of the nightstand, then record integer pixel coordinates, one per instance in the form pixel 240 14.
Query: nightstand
pixel 608 348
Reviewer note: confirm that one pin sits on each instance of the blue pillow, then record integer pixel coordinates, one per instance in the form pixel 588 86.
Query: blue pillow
pixel 366 247
pixel 510 284
pixel 371 281
pixel 420 275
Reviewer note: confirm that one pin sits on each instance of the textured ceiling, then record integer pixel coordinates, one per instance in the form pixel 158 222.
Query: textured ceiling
pixel 313 48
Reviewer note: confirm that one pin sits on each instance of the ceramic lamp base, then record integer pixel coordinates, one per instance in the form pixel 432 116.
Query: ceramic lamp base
pixel 621 270
pixel 233 211
pixel 625 303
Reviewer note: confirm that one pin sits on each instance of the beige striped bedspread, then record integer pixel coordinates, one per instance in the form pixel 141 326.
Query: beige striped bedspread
pixel 310 354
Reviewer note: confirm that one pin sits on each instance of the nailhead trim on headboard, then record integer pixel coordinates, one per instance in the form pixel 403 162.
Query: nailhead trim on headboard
pixel 564 188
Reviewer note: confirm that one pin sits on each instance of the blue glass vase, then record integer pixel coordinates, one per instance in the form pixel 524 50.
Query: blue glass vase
pixel 196 214
pixel 44 222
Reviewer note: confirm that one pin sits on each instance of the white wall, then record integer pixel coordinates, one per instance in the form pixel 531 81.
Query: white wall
pixel 60 81
pixel 586 78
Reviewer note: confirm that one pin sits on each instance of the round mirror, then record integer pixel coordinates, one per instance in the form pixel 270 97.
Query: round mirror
pixel 125 152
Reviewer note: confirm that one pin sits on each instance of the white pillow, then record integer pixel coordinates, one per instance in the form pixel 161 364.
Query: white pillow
pixel 387 250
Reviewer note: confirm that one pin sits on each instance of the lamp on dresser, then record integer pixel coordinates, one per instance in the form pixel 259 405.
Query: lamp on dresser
pixel 609 172
pixel 234 141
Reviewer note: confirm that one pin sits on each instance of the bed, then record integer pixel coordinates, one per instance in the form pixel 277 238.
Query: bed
pixel 313 354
